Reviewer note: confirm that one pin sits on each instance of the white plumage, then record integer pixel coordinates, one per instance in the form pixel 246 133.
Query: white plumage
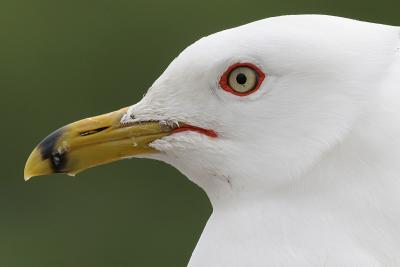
pixel 305 171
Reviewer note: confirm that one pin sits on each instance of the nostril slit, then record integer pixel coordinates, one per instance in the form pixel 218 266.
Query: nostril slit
pixel 132 116
pixel 85 133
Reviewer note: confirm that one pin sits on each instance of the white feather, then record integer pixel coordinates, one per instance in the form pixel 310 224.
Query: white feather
pixel 305 172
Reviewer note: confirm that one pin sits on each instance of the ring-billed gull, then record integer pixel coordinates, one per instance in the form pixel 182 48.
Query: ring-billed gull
pixel 290 125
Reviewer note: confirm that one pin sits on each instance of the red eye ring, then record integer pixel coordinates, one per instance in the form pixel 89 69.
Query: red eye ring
pixel 224 83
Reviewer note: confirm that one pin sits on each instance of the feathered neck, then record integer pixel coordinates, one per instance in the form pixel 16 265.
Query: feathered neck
pixel 343 211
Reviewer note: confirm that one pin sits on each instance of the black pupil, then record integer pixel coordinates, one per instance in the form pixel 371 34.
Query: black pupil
pixel 241 78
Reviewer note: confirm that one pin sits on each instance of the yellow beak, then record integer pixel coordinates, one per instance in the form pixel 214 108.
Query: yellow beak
pixel 90 142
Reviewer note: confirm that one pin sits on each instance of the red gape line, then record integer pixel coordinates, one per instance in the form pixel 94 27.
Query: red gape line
pixel 187 127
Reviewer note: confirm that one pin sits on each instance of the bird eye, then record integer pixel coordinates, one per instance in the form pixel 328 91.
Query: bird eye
pixel 242 79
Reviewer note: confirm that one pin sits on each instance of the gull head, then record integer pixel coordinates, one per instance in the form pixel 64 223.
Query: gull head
pixel 246 109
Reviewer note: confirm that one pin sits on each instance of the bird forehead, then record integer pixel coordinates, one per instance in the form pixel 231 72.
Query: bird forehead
pixel 277 43
pixel 282 46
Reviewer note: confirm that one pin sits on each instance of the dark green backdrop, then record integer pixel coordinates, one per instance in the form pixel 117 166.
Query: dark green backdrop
pixel 64 60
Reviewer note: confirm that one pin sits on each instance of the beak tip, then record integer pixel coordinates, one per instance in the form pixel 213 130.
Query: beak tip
pixel 36 166
pixel 28 171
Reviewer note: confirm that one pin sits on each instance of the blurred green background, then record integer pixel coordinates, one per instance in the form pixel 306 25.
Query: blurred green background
pixel 64 60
